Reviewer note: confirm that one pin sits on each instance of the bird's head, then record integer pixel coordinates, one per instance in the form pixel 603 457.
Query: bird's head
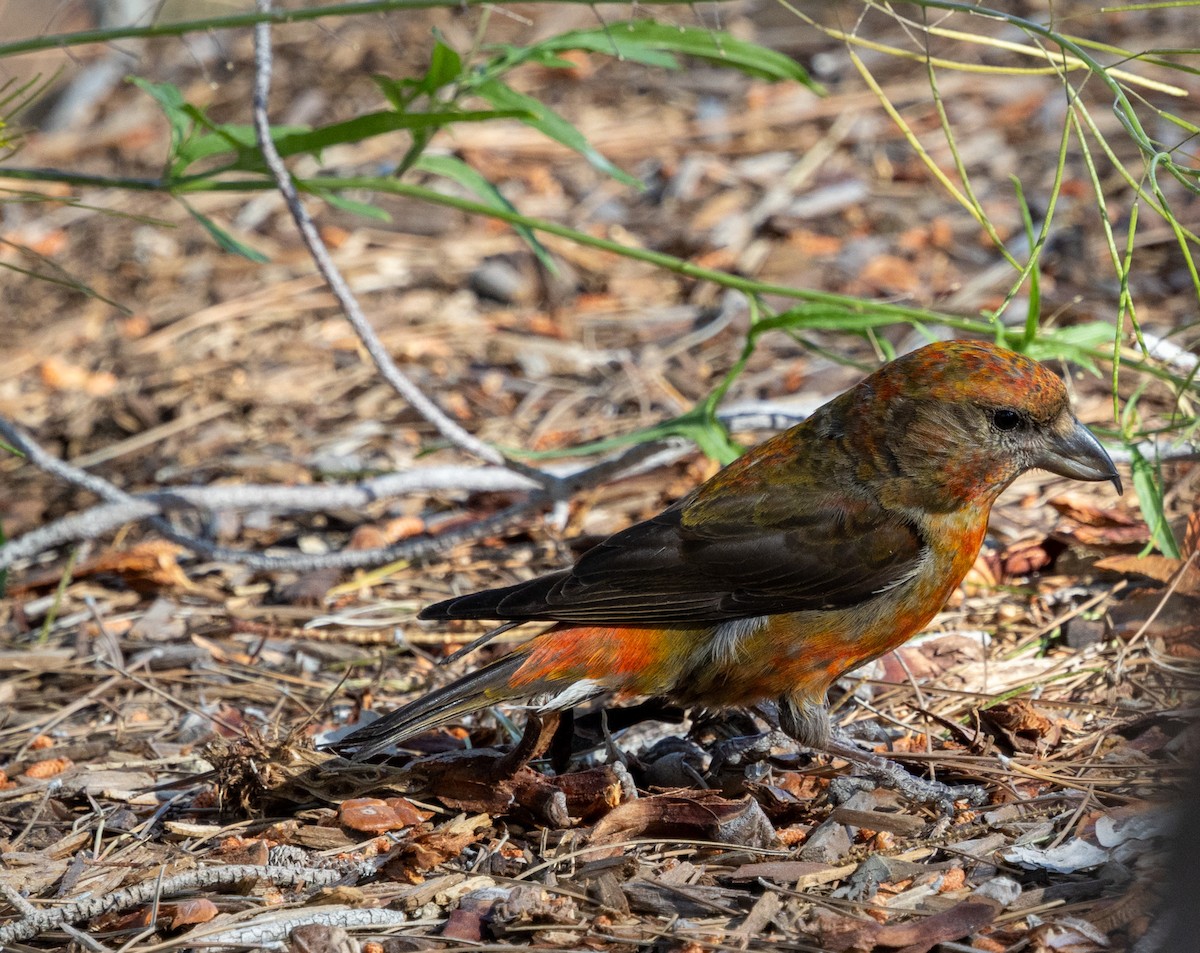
pixel 964 419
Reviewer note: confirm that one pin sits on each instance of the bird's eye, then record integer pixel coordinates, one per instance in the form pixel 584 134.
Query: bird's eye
pixel 1006 419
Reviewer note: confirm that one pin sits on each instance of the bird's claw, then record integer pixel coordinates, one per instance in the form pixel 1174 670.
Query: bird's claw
pixel 892 775
pixel 936 794
pixel 736 755
pixel 746 750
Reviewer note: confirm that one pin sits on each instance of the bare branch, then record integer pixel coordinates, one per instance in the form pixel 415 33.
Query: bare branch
pixel 349 559
pixel 98 520
pixel 122 507
pixel 341 290
pixel 30 925
pixel 272 929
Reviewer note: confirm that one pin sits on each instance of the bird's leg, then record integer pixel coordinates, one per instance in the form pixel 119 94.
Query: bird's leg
pixel 808 724
pixel 613 754
pixel 895 776
pixel 742 751
pixel 561 744
pixel 800 726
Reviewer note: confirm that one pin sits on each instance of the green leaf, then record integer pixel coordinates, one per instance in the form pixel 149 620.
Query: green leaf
pixel 216 143
pixel 697 425
pixel 458 171
pixel 188 145
pixel 541 117
pixel 236 138
pixel 823 316
pixel 445 67
pixel 1075 343
pixel 378 123
pixel 172 103
pixel 1147 483
pixel 399 92
pixel 239 140
pixel 546 53
pixel 709 434
pixel 652 43
pixel 224 239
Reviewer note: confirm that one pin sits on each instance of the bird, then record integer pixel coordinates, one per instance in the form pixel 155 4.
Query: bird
pixel 816 551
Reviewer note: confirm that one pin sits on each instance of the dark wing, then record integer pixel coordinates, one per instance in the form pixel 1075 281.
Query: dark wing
pixel 714 557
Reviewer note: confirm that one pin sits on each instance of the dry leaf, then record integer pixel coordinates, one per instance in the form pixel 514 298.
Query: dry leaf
pixel 424 851
pixel 689 814
pixel 187 912
pixel 891 274
pixel 370 815
pixel 169 915
pixel 814 244
pixel 148 566
pixel 1068 935
pixel 59 375
pixel 840 933
pixel 779 871
pixel 958 922
pixel 1162 569
pixel 931 657
pixel 1028 556
pixel 1021 726
pixel 241 850
pixel 1089 525
pixel 1191 533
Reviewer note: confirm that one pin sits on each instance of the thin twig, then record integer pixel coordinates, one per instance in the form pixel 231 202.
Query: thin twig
pixel 348 559
pixel 105 517
pixel 91 906
pixel 341 290
pixel 151 507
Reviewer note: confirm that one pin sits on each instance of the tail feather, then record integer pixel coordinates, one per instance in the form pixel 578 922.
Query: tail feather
pixel 488 685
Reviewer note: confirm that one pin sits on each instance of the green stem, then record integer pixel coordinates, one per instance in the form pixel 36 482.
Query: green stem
pixel 1122 106
pixel 60 593
pixel 659 259
pixel 32 174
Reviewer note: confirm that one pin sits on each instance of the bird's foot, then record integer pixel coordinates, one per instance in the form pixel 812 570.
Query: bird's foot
pixel 739 753
pixel 734 756
pixel 892 775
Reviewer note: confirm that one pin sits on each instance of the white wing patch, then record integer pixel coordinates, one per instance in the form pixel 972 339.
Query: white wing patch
pixel 918 567
pixel 572 695
pixel 726 637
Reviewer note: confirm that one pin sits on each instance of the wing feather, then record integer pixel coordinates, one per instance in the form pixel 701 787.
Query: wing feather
pixel 716 556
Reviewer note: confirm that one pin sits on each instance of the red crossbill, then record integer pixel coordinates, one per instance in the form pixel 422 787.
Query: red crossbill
pixel 816 551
